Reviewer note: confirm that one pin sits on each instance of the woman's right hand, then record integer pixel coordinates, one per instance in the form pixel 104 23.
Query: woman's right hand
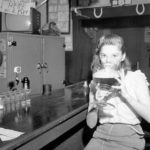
pixel 94 86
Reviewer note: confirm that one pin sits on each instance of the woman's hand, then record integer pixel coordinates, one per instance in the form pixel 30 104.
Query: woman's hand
pixel 93 86
pixel 122 89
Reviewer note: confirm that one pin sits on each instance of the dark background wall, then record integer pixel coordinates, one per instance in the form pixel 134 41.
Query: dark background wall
pixel 131 26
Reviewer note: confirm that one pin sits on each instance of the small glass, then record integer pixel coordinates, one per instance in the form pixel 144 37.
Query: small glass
pixel 1 102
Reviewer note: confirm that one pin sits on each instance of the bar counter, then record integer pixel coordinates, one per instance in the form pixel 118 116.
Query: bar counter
pixel 44 118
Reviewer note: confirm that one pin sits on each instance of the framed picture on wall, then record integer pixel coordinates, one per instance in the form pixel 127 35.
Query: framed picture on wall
pixel 58 12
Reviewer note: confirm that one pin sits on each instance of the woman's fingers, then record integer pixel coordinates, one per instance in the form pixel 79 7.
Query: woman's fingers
pixel 119 80
pixel 116 87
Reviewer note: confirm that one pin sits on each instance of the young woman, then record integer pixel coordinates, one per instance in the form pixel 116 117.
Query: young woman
pixel 119 98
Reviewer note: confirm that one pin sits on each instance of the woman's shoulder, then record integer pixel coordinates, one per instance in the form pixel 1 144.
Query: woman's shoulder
pixel 137 73
pixel 137 76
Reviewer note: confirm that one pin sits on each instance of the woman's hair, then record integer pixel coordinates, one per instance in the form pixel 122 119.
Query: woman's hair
pixel 109 39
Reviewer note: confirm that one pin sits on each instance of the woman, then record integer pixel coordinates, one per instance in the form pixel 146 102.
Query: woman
pixel 119 98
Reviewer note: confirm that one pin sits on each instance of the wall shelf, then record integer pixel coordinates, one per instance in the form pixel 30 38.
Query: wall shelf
pixel 97 12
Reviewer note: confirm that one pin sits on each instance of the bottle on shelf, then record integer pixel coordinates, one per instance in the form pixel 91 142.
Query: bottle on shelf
pixel 26 83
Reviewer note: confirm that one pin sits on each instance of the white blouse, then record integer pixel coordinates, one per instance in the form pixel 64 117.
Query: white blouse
pixel 117 110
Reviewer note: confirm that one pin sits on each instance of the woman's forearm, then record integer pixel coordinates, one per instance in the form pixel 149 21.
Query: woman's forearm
pixel 92 118
pixel 141 109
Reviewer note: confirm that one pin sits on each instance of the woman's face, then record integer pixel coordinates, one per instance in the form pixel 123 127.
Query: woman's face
pixel 111 57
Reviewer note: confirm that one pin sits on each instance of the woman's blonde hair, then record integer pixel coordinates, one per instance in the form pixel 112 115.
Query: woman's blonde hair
pixel 110 39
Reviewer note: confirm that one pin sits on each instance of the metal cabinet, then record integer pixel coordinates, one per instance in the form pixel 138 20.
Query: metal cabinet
pixel 41 58
pixel 54 59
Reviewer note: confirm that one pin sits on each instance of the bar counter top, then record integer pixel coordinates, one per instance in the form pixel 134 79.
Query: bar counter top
pixel 44 116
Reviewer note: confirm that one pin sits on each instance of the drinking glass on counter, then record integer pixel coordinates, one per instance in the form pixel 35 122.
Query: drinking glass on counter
pixel 14 100
pixel 1 101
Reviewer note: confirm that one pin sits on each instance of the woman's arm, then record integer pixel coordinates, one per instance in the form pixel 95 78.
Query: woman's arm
pixel 142 104
pixel 140 101
pixel 92 115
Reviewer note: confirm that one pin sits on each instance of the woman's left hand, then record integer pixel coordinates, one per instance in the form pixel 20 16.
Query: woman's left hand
pixel 122 89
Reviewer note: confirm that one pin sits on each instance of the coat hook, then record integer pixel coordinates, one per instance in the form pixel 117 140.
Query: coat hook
pixel 140 12
pixel 100 14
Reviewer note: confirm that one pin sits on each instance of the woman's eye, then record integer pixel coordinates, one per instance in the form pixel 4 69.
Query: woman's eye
pixel 114 56
pixel 102 55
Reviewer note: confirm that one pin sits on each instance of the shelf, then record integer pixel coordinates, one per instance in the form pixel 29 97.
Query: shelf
pixel 98 12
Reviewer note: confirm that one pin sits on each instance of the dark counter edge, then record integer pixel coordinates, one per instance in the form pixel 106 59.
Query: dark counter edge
pixel 49 132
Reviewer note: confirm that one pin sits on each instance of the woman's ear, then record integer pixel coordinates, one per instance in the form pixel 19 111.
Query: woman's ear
pixel 123 57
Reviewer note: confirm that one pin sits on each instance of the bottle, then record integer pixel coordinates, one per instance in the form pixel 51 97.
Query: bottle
pixel 26 83
pixel 86 88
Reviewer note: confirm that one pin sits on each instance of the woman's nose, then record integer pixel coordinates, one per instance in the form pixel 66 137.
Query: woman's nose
pixel 108 59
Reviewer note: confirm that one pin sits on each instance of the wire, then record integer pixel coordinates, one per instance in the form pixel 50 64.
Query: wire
pixel 39 5
pixel 78 13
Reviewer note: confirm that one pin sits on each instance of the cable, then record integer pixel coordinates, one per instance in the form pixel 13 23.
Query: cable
pixel 78 13
pixel 39 5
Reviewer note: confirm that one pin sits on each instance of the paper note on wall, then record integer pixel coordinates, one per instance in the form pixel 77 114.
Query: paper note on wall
pixel 18 7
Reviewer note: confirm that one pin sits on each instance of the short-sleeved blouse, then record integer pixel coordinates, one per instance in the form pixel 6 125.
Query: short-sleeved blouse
pixel 117 110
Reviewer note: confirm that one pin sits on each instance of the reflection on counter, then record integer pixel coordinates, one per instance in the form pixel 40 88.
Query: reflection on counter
pixel 40 115
pixel 26 113
pixel 16 105
pixel 14 100
pixel 75 93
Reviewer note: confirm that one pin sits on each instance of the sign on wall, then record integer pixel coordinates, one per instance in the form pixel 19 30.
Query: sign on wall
pixel 59 12
pixel 18 7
